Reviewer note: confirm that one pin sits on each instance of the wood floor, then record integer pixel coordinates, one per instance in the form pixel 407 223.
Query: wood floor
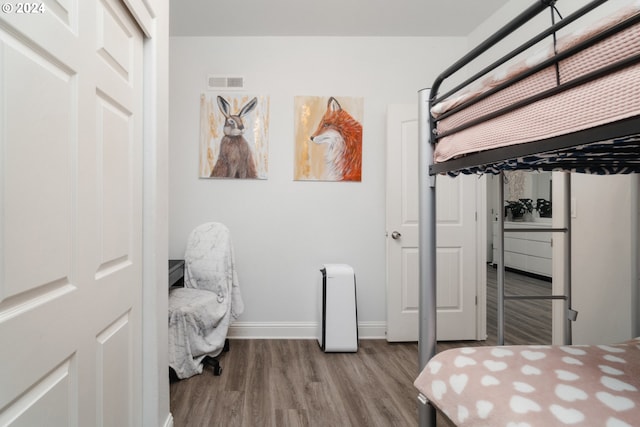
pixel 526 322
pixel 293 383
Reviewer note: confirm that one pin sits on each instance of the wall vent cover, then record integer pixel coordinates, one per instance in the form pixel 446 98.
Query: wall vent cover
pixel 225 82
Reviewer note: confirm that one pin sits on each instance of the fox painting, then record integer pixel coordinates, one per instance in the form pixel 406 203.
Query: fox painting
pixel 342 136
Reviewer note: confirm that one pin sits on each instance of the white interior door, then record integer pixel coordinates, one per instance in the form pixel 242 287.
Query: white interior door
pixel 457 233
pixel 458 273
pixel 71 155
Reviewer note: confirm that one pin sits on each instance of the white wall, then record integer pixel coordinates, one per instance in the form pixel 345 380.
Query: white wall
pixel 605 226
pixel 284 230
pixel 604 257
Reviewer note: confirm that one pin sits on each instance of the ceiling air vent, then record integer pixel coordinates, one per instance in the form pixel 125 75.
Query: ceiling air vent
pixel 225 82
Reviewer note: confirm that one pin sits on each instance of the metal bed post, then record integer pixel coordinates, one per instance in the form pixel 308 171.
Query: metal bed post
pixel 570 314
pixel 500 263
pixel 427 202
pixel 427 245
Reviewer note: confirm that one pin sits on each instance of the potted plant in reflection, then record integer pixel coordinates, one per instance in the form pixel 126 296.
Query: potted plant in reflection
pixel 518 208
pixel 543 207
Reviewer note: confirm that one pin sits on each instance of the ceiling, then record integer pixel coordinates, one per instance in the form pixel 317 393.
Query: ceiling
pixel 384 18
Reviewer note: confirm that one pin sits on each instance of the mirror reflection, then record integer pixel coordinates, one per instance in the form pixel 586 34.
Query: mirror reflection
pixel 527 196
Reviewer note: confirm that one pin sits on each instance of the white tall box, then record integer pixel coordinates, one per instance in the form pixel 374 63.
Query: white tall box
pixel 338 328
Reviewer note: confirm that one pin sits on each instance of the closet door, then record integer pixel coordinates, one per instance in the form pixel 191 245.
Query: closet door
pixel 71 153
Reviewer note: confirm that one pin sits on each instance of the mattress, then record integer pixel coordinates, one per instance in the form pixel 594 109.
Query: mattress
pixel 614 97
pixel 595 385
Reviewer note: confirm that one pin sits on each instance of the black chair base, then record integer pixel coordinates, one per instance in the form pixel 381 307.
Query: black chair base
pixel 212 362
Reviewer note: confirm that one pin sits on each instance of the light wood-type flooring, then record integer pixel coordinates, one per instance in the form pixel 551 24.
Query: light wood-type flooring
pixel 293 383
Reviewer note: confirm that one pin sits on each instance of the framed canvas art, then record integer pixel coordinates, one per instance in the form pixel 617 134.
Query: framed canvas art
pixel 234 136
pixel 328 138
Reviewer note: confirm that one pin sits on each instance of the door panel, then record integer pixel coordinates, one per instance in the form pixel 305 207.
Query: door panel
pixel 114 354
pixel 37 209
pixel 456 262
pixel 34 408
pixel 114 183
pixel 448 279
pixel 70 254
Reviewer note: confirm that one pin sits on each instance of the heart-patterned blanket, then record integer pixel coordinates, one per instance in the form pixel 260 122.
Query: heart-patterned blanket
pixel 528 386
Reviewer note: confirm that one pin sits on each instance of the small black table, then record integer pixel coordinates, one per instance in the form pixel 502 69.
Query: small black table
pixel 176 272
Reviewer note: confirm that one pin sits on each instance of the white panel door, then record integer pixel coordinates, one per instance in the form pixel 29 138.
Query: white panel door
pixel 71 225
pixel 456 233
pixel 457 275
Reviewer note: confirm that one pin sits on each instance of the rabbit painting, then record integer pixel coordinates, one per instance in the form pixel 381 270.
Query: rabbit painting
pixel 235 159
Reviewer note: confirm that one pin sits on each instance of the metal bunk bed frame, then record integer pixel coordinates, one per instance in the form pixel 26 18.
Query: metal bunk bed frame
pixel 428 171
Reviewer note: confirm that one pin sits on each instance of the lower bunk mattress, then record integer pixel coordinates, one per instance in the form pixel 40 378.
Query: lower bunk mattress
pixel 594 385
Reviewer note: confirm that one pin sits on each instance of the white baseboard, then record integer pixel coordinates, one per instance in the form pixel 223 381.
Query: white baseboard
pixel 169 421
pixel 297 330
pixel 372 330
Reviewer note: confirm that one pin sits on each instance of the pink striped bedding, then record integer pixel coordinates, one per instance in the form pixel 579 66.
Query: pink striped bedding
pixel 608 99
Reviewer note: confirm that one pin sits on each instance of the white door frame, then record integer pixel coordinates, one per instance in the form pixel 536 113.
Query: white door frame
pixel 153 19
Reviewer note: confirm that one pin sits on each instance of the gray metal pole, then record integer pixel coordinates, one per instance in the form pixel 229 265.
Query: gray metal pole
pixel 500 263
pixel 568 312
pixel 427 244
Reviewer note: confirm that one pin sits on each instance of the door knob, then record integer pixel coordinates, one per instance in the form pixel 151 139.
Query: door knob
pixel 395 235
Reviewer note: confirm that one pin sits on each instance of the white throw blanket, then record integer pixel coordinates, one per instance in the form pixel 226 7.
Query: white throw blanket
pixel 201 312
